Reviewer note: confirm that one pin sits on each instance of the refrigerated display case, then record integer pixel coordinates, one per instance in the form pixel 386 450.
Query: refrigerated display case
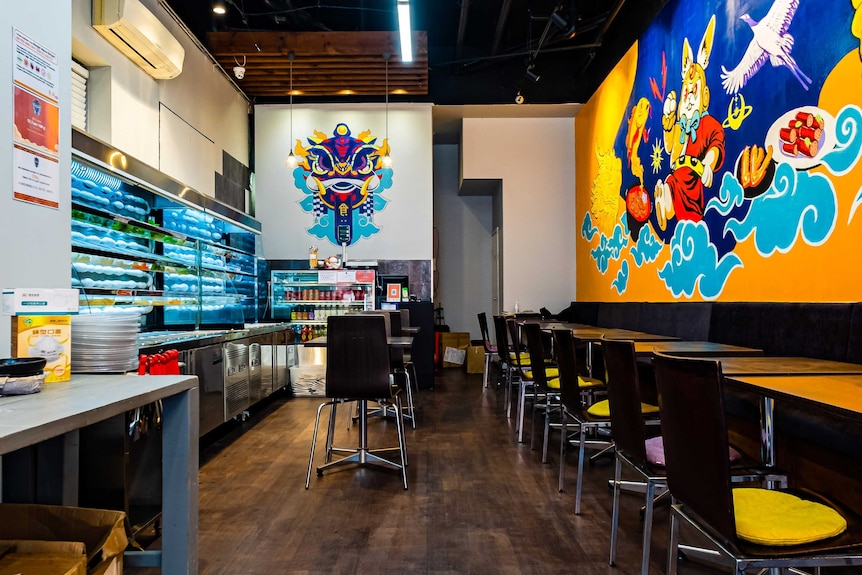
pixel 306 298
pixel 144 242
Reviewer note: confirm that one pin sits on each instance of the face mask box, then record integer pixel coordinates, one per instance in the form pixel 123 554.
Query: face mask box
pixel 48 336
pixel 27 301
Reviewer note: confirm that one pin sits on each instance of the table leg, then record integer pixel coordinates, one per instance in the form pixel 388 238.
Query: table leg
pixel 767 431
pixel 590 358
pixel 180 483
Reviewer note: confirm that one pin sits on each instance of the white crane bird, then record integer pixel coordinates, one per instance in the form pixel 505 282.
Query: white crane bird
pixel 771 41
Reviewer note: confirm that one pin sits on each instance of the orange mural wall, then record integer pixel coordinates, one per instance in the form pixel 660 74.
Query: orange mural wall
pixel 720 159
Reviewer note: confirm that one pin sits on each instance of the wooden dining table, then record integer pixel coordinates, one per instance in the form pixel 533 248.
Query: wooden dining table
pixel 837 393
pixel 591 334
pixel 647 349
pixel 397 342
pixel 773 365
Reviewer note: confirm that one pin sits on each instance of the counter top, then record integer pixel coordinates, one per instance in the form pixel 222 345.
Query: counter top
pixel 201 337
pixel 64 406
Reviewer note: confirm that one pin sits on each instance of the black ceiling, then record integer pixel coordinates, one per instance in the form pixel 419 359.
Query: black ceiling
pixel 478 50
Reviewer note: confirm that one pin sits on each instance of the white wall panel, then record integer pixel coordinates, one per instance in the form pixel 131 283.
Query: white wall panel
pixel 535 159
pixel 35 243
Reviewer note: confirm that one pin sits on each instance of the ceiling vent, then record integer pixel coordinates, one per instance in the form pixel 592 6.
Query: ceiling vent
pixel 137 33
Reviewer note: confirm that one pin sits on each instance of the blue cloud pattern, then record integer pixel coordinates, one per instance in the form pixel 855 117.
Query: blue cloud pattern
pixel 619 240
pixel 694 263
pixel 797 203
pixel 647 248
pixel 622 280
pixel 602 254
pixel 588 230
pixel 730 195
pixel 848 135
pixel 609 248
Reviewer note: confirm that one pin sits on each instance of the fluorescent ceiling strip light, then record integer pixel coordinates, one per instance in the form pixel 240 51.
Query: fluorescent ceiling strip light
pixel 404 31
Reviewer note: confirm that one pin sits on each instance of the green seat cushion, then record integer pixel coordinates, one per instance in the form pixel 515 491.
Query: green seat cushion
pixel 602 409
pixel 770 517
pixel 554 383
pixel 586 382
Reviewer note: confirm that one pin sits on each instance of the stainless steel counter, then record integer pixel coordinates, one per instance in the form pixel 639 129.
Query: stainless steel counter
pixel 181 340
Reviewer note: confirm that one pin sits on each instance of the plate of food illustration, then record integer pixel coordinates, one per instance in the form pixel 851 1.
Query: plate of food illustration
pixel 802 136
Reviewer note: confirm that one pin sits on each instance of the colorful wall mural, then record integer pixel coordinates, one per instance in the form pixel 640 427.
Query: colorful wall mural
pixel 342 179
pixel 720 160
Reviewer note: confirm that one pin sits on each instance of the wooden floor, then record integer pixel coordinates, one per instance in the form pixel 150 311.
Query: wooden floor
pixel 478 502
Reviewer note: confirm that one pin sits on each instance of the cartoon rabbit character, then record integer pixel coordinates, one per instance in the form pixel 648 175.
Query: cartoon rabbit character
pixel 693 139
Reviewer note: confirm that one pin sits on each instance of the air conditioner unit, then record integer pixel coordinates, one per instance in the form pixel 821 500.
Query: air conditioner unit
pixel 137 33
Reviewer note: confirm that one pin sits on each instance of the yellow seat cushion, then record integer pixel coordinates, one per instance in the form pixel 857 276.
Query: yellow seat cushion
pixel 523 356
pixel 600 409
pixel 771 517
pixel 549 372
pixel 603 409
pixel 586 382
pixel 554 383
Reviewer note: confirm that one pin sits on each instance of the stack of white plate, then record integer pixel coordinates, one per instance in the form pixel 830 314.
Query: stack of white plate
pixel 105 343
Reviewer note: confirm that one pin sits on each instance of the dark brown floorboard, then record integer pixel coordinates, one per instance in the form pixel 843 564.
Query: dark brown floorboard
pixel 478 502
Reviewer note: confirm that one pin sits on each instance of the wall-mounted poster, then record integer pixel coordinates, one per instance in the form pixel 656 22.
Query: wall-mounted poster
pixel 720 158
pixel 343 179
pixel 36 122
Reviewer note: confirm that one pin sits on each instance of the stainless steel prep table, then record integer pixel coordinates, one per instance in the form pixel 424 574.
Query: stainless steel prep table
pixel 63 408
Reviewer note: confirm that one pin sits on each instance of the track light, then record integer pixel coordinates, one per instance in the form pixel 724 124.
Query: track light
pixel 219 8
pixel 564 24
pixel 532 75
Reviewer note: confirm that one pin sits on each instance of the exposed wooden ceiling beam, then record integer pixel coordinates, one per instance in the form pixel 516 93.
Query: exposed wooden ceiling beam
pixel 324 64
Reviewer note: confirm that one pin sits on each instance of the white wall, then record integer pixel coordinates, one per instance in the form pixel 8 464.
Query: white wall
pixel 535 158
pixel 35 248
pixel 179 126
pixel 406 222
pixel 464 226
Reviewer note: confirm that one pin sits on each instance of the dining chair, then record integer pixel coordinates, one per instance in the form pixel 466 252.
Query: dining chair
pixel 590 419
pixel 511 374
pixel 522 362
pixel 749 528
pixel 545 379
pixel 398 366
pixel 490 349
pixel 629 419
pixel 358 369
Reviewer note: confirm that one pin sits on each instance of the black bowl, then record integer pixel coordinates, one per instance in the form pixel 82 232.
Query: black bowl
pixel 21 366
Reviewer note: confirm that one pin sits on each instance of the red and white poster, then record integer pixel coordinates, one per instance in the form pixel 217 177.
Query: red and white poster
pixel 36 123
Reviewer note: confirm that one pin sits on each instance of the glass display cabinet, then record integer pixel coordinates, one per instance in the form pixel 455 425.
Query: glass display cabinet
pixel 179 258
pixel 306 298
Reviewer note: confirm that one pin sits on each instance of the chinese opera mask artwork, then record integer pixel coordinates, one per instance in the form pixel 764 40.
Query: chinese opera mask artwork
pixel 342 177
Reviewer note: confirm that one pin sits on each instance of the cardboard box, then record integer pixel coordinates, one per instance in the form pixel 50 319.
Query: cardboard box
pixel 48 336
pixel 459 342
pixel 476 359
pixel 34 527
pixel 43 563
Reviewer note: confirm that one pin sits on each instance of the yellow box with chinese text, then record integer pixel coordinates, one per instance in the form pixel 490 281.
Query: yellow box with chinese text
pixel 48 336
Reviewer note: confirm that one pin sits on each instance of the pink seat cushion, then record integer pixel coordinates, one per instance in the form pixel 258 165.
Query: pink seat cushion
pixel 655 452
